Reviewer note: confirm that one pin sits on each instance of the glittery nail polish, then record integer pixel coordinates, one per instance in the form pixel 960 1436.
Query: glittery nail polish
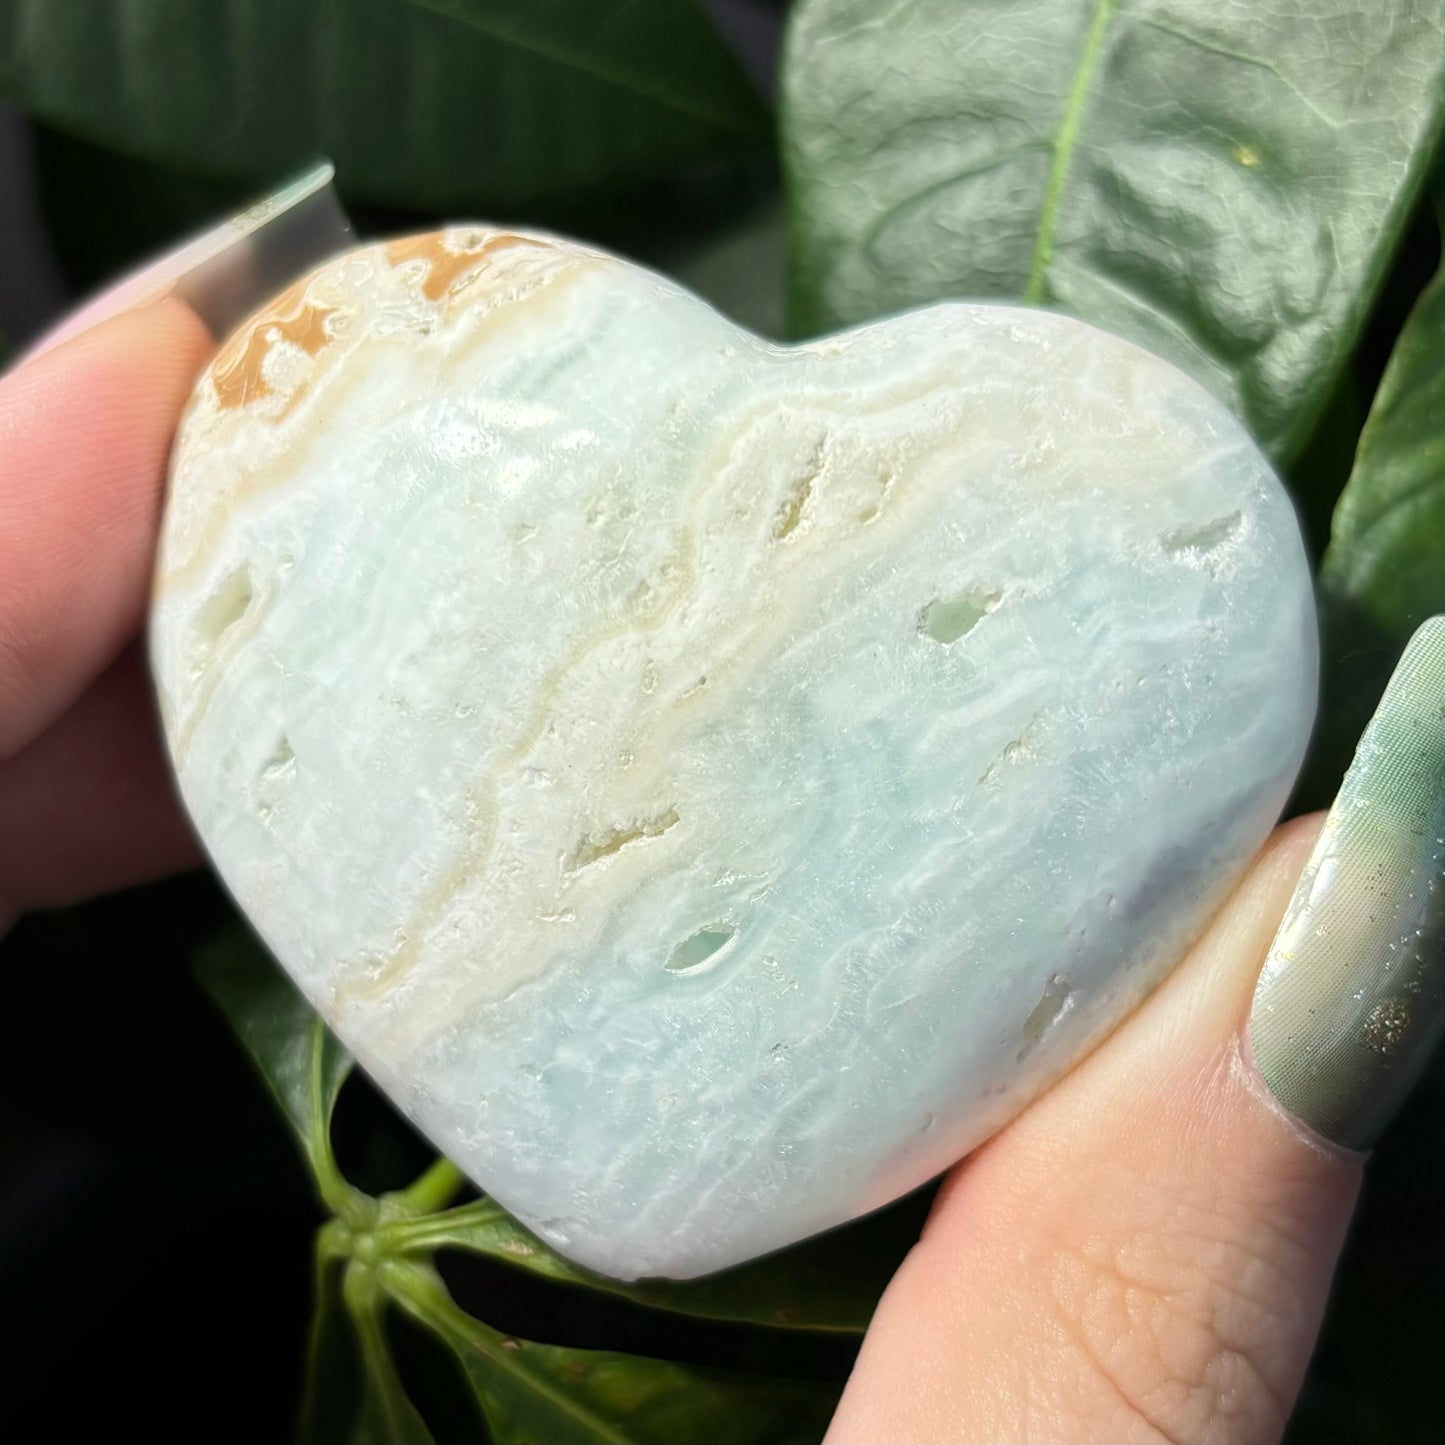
pixel 1351 1000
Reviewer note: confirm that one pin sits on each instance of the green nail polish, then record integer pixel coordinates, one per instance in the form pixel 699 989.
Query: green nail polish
pixel 1352 997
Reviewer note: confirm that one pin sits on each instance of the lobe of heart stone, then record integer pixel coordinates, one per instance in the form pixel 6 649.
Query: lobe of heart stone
pixel 710 785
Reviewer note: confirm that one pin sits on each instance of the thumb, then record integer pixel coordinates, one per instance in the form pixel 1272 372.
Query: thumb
pixel 1146 1252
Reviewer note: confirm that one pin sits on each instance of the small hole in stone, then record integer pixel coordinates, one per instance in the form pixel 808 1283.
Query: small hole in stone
pixel 558 1233
pixel 220 612
pixel 946 619
pixel 1056 1001
pixel 598 845
pixel 703 950
pixel 282 757
pixel 1200 537
pixel 225 607
pixel 794 507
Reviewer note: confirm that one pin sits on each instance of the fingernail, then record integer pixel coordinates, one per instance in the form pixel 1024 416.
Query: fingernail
pixel 225 273
pixel 1351 1001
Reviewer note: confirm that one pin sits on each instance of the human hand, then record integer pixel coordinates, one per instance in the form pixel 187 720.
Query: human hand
pixel 86 420
pixel 1145 1253
pixel 86 800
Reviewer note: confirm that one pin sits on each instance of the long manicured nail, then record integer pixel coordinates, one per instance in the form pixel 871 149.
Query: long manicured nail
pixel 1352 998
pixel 226 272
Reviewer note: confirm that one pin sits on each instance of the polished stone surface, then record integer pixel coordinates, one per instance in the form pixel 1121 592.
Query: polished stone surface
pixel 711 786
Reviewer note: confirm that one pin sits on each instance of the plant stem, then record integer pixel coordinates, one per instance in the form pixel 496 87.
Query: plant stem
pixel 434 1189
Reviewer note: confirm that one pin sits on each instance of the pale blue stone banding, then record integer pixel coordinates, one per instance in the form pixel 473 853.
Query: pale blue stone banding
pixel 529 640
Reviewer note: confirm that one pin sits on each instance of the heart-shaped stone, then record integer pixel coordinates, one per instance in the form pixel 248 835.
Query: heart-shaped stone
pixel 712 785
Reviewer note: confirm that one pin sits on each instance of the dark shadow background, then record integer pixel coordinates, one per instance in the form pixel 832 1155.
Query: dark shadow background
pixel 155 1222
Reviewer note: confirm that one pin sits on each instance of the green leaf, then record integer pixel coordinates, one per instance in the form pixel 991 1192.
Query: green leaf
pixel 663 49
pixel 386 1415
pixel 830 1284
pixel 301 1062
pixel 1383 573
pixel 1222 181
pixel 1388 535
pixel 741 271
pixel 547 1395
pixel 416 108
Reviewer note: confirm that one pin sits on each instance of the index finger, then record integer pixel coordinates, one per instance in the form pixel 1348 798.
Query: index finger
pixel 85 430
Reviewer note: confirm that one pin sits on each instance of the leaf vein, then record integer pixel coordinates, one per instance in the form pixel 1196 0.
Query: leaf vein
pixel 1224 52
pixel 1064 146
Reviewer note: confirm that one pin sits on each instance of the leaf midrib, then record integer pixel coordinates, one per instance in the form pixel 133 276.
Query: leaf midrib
pixel 1065 143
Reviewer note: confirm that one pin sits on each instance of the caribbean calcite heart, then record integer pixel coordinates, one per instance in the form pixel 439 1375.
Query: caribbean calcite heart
pixel 712 785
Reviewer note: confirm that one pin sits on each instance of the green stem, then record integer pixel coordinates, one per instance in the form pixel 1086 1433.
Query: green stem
pixel 387 1413
pixel 411 1235
pixel 1064 144
pixel 324 1261
pixel 338 1196
pixel 434 1189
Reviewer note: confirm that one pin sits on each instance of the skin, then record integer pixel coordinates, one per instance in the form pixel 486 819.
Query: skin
pixel 1143 1255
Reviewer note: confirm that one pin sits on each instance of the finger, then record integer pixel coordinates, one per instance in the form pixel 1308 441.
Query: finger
pixel 85 425
pixel 1145 1253
pixel 90 805
pixel 84 433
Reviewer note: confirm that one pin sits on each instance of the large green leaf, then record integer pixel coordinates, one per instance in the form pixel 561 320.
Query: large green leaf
pixel 1384 569
pixel 1220 180
pixel 829 1284
pixel 418 109
pixel 301 1062
pixel 547 1395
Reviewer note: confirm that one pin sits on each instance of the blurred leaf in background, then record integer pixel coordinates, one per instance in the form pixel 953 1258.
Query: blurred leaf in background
pixel 477 106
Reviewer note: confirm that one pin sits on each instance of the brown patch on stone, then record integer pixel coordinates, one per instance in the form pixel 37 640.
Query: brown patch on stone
pixel 237 372
pixel 446 268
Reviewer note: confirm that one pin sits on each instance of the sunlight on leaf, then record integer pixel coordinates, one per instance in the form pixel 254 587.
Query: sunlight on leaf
pixel 1223 184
